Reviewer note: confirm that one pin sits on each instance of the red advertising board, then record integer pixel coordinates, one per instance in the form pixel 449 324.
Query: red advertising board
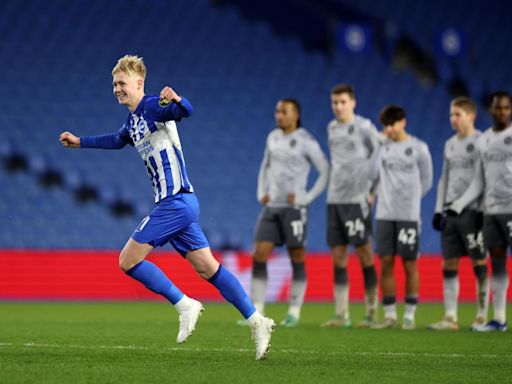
pixel 94 275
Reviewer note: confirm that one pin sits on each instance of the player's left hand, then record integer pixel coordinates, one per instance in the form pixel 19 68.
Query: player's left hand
pixel 168 94
pixel 291 198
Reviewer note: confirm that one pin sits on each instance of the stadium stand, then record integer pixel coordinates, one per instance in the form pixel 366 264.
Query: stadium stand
pixel 232 68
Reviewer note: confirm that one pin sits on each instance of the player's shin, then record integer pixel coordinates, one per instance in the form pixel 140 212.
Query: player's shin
pixel 259 284
pixel 155 280
pixel 231 289
pixel 297 292
pixel 370 287
pixel 499 283
pixel 341 293
pixel 450 293
pixel 482 291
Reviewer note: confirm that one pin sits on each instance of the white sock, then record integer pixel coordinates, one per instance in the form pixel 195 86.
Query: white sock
pixel 390 311
pixel 451 296
pixel 482 298
pixel 371 302
pixel 258 293
pixel 341 300
pixel 410 311
pixel 499 291
pixel 297 292
pixel 254 319
pixel 183 304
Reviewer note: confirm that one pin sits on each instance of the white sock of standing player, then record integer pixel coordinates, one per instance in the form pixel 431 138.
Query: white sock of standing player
pixel 450 293
pixel 298 289
pixel 499 292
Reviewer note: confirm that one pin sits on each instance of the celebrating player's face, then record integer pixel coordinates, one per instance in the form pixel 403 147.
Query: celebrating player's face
pixel 126 87
pixel 342 106
pixel 501 112
pixel 460 119
pixel 286 115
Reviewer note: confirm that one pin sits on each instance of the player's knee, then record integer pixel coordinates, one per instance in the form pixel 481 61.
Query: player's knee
pixel 387 267
pixel 126 262
pixel 260 256
pixel 123 265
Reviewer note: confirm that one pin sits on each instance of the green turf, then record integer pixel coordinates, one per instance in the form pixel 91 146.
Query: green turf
pixel 135 343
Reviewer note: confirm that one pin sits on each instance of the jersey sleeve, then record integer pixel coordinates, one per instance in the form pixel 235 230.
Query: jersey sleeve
pixel 171 111
pixel 474 190
pixel 317 157
pixel 109 141
pixel 442 185
pixel 425 168
pixel 263 175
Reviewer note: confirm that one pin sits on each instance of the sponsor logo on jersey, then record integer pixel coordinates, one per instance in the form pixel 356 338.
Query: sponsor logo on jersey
pixel 163 102
pixel 397 164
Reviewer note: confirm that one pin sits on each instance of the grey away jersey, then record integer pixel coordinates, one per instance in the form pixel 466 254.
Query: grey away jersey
pixel 461 156
pixel 353 147
pixel 494 174
pixel 285 168
pixel 404 170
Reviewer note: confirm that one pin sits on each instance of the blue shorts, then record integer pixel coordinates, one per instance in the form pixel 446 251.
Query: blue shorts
pixel 174 220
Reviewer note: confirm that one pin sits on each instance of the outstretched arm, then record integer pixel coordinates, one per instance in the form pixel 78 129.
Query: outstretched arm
pixel 109 141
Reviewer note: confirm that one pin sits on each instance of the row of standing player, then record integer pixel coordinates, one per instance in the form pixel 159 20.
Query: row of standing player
pixel 396 167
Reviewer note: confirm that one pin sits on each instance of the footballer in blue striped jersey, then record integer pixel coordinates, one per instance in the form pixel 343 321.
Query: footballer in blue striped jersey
pixel 151 128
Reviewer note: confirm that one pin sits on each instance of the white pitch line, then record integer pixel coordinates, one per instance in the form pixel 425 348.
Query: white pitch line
pixel 245 350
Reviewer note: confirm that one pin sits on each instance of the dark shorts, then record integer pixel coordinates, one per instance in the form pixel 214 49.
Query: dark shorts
pixel 174 220
pixel 348 224
pixel 498 231
pixel 398 238
pixel 462 236
pixel 282 226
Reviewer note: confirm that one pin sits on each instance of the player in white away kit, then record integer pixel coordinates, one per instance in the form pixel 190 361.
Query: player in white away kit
pixel 461 235
pixel 289 153
pixel 494 180
pixel 353 144
pixel 404 172
pixel 151 128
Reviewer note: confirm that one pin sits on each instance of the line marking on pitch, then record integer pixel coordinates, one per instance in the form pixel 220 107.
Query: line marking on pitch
pixel 245 350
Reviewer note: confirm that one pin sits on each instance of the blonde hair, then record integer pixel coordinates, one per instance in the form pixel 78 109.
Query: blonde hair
pixel 465 103
pixel 130 64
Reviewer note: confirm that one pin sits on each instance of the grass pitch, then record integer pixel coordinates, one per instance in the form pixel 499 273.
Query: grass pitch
pixel 134 342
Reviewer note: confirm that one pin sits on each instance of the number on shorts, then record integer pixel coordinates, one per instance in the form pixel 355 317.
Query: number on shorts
pixel 354 226
pixel 407 236
pixel 475 240
pixel 509 225
pixel 297 228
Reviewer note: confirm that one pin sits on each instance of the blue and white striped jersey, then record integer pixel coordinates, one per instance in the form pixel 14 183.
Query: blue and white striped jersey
pixel 154 134
pixel 151 128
